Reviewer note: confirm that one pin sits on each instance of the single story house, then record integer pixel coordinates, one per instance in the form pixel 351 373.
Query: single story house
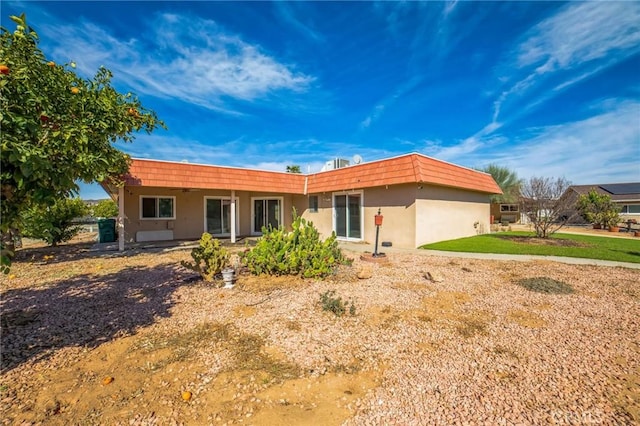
pixel 626 195
pixel 422 200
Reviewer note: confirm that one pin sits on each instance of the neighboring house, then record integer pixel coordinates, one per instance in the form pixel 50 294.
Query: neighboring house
pixel 505 212
pixel 422 199
pixel 626 195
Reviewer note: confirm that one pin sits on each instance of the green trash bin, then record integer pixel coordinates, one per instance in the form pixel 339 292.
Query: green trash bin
pixel 106 230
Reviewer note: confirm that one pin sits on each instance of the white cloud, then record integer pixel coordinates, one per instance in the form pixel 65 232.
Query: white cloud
pixel 579 41
pixel 390 100
pixel 465 150
pixel 581 33
pixel 190 59
pixel 375 114
pixel 436 37
pixel 309 154
pixel 604 147
pixel 281 166
pixel 172 148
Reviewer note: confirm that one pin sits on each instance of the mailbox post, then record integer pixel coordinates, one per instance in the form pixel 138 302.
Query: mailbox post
pixel 378 223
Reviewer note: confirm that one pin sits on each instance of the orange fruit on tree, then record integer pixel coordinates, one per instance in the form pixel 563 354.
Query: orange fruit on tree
pixel 4 69
pixel 51 64
pixel 75 90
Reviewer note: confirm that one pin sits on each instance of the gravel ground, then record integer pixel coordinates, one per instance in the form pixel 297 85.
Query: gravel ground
pixel 434 340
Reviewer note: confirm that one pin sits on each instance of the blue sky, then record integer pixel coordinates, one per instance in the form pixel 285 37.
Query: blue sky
pixel 544 88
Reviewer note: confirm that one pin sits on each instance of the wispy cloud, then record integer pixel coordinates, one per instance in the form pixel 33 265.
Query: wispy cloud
pixel 287 14
pixel 435 38
pixel 464 151
pixel 580 33
pixel 449 7
pixel 603 146
pixel 583 38
pixel 281 166
pixel 309 154
pixel 377 111
pixel 178 57
pixel 175 148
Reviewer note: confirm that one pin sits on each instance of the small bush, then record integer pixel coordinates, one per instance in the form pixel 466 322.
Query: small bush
pixel 208 258
pixel 299 252
pixel 105 208
pixel 545 285
pixel 331 303
pixel 53 223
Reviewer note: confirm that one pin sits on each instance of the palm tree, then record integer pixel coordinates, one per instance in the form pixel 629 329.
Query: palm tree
pixel 508 182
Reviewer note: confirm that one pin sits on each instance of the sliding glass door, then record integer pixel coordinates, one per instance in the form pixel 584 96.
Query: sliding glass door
pixel 218 216
pixel 266 212
pixel 348 215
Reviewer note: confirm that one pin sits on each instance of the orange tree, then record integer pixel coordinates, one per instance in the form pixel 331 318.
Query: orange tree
pixel 57 127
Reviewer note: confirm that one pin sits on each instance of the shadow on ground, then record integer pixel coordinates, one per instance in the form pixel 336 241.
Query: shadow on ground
pixel 629 252
pixel 73 251
pixel 86 311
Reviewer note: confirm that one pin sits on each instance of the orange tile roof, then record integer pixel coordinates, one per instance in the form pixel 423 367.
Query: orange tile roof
pixel 409 168
pixel 167 174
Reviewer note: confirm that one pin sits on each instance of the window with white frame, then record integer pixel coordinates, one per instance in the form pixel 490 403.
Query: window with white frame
pixel 630 209
pixel 157 207
pixel 504 208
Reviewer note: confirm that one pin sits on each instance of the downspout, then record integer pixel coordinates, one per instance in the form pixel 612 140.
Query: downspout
pixel 233 216
pixel 121 218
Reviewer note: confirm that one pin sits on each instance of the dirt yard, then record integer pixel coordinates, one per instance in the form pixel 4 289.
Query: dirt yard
pixel 99 338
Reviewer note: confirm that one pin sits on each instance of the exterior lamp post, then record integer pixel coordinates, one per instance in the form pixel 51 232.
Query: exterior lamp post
pixel 378 223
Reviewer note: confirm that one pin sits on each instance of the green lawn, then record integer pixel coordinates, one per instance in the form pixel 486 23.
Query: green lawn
pixel 568 245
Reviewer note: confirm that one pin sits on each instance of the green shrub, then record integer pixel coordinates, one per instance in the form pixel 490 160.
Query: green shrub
pixel 208 258
pixel 598 209
pixel 105 208
pixel 331 303
pixel 299 252
pixel 53 223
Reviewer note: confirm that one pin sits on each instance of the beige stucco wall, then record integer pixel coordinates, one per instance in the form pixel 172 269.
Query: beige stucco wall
pixel 323 218
pixel 412 215
pixel 395 202
pixel 397 206
pixel 189 209
pixel 449 213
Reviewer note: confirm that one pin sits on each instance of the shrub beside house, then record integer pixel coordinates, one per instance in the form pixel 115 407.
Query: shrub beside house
pixel 626 196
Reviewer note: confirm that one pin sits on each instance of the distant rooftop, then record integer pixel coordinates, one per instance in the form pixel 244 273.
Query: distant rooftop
pixel 617 191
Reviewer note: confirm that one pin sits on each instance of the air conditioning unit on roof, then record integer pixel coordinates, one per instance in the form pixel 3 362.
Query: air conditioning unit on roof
pixel 336 163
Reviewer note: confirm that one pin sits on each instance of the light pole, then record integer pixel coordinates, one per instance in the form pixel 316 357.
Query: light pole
pixel 378 223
